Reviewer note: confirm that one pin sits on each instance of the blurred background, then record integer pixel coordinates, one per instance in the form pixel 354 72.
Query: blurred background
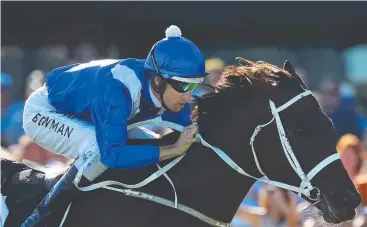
pixel 325 41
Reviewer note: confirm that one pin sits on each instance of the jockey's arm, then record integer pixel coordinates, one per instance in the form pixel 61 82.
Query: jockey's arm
pixel 110 112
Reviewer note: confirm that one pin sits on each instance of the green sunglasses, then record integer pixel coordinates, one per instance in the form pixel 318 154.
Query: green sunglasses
pixel 180 86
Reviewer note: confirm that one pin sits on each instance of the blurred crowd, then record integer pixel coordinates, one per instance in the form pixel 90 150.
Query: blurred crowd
pixel 264 205
pixel 46 58
pixel 13 139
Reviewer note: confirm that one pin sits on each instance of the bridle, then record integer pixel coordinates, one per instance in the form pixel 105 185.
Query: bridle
pixel 305 187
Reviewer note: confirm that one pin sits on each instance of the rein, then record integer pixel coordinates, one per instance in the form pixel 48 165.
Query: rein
pixel 305 187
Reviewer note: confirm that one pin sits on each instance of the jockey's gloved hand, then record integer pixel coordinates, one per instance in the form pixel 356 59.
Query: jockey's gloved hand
pixel 187 138
pixel 182 145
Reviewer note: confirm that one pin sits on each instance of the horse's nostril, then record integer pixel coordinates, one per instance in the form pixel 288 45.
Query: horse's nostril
pixel 351 198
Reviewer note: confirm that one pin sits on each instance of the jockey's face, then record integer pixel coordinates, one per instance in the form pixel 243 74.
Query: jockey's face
pixel 174 100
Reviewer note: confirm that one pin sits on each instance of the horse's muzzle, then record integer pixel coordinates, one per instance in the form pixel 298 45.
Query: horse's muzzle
pixel 340 206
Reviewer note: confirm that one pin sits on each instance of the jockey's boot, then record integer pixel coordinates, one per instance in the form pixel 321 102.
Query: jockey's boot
pixel 59 197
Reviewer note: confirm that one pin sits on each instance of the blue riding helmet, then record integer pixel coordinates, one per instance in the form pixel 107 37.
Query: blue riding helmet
pixel 176 58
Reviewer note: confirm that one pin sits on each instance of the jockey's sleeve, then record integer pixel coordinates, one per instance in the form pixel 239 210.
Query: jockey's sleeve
pixel 110 112
pixel 182 117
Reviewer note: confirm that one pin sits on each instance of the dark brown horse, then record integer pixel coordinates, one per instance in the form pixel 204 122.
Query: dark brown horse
pixel 204 182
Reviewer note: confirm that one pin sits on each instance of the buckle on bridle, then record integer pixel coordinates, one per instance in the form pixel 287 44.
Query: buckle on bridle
pixel 317 194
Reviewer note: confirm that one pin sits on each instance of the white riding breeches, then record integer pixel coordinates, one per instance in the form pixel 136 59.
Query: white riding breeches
pixel 66 135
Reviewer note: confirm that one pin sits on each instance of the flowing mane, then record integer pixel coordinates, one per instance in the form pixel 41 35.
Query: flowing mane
pixel 235 83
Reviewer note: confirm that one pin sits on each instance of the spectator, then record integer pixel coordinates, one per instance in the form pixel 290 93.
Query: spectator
pixel 35 80
pixel 329 89
pixel 280 205
pixel 112 52
pixel 346 118
pixel 12 118
pixel 250 213
pixel 350 149
pixel 352 156
pixel 215 67
pixel 85 52
pixel 351 152
pixel 11 113
pixel 50 57
pixel 27 149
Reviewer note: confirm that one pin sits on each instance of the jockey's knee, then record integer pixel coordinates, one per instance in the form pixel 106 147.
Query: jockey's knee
pixel 94 167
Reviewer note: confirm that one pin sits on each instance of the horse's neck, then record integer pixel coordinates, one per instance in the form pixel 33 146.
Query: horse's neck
pixel 230 188
pixel 202 180
pixel 210 185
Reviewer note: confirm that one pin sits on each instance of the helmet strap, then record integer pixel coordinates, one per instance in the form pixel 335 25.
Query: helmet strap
pixel 163 103
pixel 160 89
pixel 162 83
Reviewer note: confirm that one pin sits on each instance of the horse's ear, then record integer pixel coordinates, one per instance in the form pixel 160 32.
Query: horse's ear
pixel 289 68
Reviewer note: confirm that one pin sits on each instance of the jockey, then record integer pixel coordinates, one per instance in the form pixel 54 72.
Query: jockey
pixel 86 108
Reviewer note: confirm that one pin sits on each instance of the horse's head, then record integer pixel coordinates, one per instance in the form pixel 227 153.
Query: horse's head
pixel 299 126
